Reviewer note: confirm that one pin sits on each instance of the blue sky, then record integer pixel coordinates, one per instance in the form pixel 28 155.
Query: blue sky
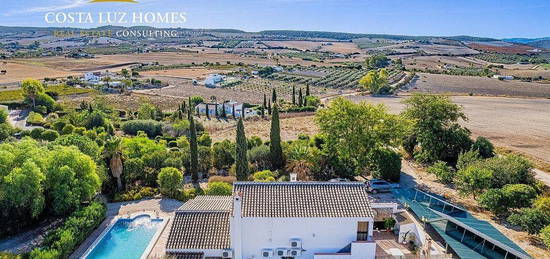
pixel 488 18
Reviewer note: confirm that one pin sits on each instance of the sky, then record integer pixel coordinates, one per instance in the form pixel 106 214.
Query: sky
pixel 484 18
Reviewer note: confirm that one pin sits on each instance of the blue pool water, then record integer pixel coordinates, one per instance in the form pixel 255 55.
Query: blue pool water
pixel 127 239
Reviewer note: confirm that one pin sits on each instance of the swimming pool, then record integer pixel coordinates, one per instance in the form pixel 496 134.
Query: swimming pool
pixel 126 238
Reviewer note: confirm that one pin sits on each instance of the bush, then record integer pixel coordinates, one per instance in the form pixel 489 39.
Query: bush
pixel 3 116
pixel 518 195
pixel 204 140
pixel 224 179
pixel 5 131
pixel 264 176
pixel 531 220
pixel 95 119
pixel 67 129
pixel 169 180
pixel 493 200
pixel 219 188
pixel 40 109
pixel 484 147
pixel 389 223
pixel 442 171
pixel 61 242
pixel 35 119
pixel 43 100
pixel 512 169
pixel 49 135
pixel 223 154
pixel 36 133
pixel 151 127
pixel 473 180
pixel 467 158
pixel 136 194
pixel 260 157
pixel 387 165
pixel 545 236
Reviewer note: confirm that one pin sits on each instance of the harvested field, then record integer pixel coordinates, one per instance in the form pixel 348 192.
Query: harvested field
pixel 184 72
pixel 449 84
pixel 16 72
pixel 503 48
pixel 341 47
pixel 438 62
pixel 514 123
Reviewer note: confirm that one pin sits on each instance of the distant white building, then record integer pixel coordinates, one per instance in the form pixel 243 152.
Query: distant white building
pixel 92 77
pixel 277 68
pixel 213 79
pixel 226 107
pixel 502 77
pixel 288 220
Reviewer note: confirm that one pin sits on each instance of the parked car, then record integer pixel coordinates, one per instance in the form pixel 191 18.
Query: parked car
pixel 376 186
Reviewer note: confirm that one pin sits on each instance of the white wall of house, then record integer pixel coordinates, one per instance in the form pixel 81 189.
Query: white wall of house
pixel 318 235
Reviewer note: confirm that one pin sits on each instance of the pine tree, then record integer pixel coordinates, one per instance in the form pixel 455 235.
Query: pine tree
pixel 300 99
pixel 307 90
pixel 241 162
pixel 269 107
pixel 274 96
pixel 275 148
pixel 293 95
pixel 194 168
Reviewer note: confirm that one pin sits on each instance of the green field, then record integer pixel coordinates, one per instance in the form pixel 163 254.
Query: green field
pixel 17 95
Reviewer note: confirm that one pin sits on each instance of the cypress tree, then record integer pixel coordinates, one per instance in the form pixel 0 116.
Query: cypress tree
pixel 305 100
pixel 300 99
pixel 207 111
pixel 194 168
pixel 293 95
pixel 241 148
pixel 307 90
pixel 233 112
pixel 274 96
pixel 216 111
pixel 275 148
pixel 198 112
pixel 264 106
pixel 190 113
pixel 269 107
pixel 223 110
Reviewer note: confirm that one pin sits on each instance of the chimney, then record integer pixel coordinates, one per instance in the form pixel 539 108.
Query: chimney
pixel 236 225
pixel 293 177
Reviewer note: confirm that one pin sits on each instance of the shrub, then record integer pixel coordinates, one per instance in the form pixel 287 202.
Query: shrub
pixel 264 176
pixel 40 109
pixel 205 140
pixel 63 240
pixel 542 203
pixel 169 180
pixel 219 188
pixel 223 154
pixel 545 236
pixel 473 180
pixel 467 158
pixel 5 131
pixel 225 179
pixel 493 200
pixel 95 119
pixel 387 165
pixel 442 171
pixel 151 127
pixel 531 220
pixel 389 223
pixel 3 116
pixel 136 194
pixel 518 195
pixel 484 147
pixel 260 157
pixel 35 119
pixel 67 129
pixel 43 100
pixel 49 135
pixel 512 169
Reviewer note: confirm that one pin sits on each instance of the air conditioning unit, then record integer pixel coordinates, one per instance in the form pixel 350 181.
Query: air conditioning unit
pixel 281 252
pixel 295 252
pixel 267 253
pixel 227 253
pixel 295 243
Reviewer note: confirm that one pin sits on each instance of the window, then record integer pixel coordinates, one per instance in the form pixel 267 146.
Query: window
pixel 362 231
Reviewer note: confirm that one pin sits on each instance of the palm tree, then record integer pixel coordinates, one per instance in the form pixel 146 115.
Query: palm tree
pixel 113 152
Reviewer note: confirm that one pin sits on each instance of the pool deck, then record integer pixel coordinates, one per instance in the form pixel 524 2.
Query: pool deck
pixel 164 208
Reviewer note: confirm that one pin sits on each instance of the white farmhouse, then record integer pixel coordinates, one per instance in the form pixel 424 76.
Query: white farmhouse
pixel 213 79
pixel 92 77
pixel 283 220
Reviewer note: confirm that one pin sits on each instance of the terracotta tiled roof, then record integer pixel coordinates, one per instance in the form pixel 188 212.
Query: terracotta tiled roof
pixel 199 230
pixel 303 199
pixel 185 255
pixel 208 203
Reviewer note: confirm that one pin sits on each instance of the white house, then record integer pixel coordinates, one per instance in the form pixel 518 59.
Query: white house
pixel 92 76
pixel 283 220
pixel 226 106
pixel 212 79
